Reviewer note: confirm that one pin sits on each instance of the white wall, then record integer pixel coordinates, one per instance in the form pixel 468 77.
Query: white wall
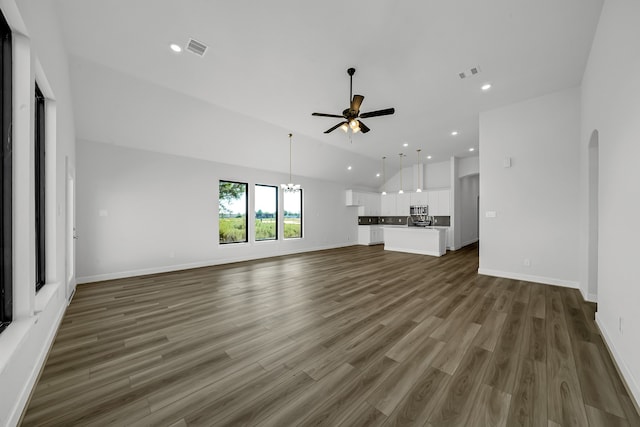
pixel 469 192
pixel 611 105
pixel 468 166
pixel 435 176
pixel 141 212
pixel 536 199
pixel 38 54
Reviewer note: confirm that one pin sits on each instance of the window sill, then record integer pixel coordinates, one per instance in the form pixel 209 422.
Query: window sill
pixel 45 295
pixel 11 338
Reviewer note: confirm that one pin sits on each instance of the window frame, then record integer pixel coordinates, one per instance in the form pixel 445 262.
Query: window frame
pixel 276 219
pixel 6 176
pixel 246 219
pixel 40 188
pixel 301 215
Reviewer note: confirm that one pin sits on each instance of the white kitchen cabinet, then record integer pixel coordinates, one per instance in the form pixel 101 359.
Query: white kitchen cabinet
pixel 370 234
pixel 449 236
pixel 353 198
pixel 403 202
pixel 368 202
pixel 439 202
pixel 388 204
pixel 419 199
pixel 372 204
pixel 444 200
pixel 432 198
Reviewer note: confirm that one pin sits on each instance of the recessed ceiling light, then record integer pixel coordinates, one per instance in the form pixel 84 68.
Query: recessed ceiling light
pixel 454 133
pixel 471 149
pixel 486 86
pixel 176 48
pixel 348 167
pixel 406 144
pixel 429 157
pixel 378 175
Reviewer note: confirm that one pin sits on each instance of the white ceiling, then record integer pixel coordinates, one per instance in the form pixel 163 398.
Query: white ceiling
pixel 271 64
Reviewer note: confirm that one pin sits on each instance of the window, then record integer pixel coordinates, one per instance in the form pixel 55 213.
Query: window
pixel 39 150
pixel 266 211
pixel 293 214
pixel 6 223
pixel 232 212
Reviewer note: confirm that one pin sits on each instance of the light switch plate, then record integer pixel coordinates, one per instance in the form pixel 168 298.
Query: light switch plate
pixel 490 214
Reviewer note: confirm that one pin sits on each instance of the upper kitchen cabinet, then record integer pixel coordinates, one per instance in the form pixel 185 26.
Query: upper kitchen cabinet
pixel 403 201
pixel 420 199
pixel 369 202
pixel 439 202
pixel 444 200
pixel 388 205
pixel 354 198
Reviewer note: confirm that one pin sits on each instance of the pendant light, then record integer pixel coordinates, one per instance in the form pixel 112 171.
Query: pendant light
pixel 384 176
pixel 401 189
pixel 419 189
pixel 290 187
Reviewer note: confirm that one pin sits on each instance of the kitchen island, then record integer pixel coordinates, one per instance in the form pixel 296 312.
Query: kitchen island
pixel 416 240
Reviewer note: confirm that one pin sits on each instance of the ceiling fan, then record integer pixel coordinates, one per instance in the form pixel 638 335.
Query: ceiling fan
pixel 352 114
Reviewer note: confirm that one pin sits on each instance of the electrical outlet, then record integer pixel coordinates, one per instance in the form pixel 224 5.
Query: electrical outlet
pixel 526 262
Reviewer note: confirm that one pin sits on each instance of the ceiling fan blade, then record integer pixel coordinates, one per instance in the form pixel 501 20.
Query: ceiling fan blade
pixel 327 115
pixel 377 113
pixel 363 128
pixel 336 127
pixel 356 102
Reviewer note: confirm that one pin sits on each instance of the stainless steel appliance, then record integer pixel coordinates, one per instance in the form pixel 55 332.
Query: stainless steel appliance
pixel 419 216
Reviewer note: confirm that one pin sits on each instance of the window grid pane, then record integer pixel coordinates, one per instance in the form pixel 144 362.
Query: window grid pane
pixel 6 171
pixel 40 189
pixel 266 212
pixel 293 214
pixel 232 212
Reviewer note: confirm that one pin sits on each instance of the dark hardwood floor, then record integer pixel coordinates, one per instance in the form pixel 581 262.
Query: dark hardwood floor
pixel 351 336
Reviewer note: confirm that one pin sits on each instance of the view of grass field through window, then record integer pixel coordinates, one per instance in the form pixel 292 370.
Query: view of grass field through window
pixel 232 212
pixel 233 208
pixel 266 211
pixel 293 214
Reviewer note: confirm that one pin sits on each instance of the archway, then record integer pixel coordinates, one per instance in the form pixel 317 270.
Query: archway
pixel 592 244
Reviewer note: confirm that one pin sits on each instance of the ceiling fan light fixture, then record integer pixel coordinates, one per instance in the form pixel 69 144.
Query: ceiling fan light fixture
pixel 352 113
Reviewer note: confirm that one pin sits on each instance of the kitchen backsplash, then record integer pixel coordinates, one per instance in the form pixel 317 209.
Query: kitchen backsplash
pixel 442 221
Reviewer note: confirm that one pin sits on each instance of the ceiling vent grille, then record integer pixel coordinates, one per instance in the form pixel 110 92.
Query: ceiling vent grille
pixel 196 47
pixel 469 72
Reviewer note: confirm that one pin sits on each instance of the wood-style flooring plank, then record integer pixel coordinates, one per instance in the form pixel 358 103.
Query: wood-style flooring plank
pixel 342 337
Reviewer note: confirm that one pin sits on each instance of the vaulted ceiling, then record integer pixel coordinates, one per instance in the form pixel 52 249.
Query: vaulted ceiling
pixel 270 64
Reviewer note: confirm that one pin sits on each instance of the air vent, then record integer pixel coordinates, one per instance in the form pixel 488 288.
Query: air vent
pixel 196 47
pixel 469 72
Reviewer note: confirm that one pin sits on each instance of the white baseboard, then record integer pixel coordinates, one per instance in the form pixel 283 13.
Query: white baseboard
pixel 199 264
pixel 469 242
pixel 529 278
pixel 623 369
